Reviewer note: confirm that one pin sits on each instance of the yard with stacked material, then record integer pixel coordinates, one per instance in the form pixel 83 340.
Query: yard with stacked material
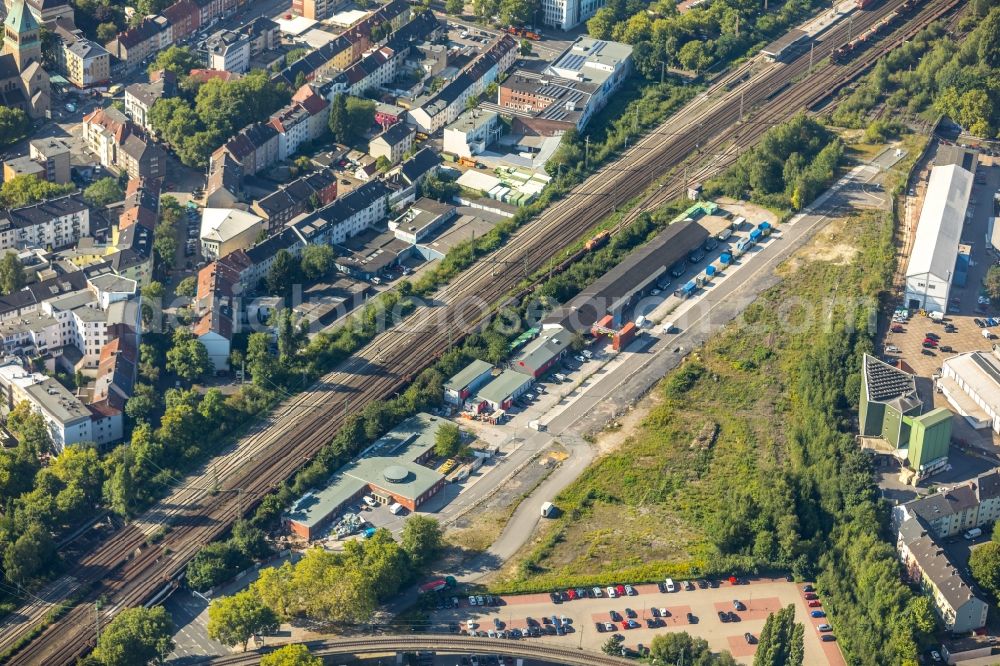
pixel 745 460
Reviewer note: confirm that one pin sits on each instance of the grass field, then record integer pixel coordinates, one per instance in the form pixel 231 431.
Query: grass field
pixel 663 503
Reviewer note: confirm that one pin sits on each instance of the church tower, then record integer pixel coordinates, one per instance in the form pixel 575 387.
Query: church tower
pixel 20 36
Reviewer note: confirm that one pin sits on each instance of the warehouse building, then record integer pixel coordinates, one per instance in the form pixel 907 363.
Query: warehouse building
pixel 390 470
pixel 539 355
pixel 971 382
pixel 630 280
pixel 931 268
pixel 467 381
pixel 503 391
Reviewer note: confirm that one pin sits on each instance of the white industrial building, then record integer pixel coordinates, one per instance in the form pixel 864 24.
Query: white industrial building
pixel 939 231
pixel 567 14
pixel 971 382
pixel 471 132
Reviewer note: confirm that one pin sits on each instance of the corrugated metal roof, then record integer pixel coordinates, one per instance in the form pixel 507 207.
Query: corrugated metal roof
pixel 939 230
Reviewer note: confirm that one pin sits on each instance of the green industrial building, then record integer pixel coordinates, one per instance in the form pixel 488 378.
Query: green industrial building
pixel 891 409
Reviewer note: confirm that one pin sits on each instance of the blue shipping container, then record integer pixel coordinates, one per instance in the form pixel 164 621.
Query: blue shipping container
pixel 961 270
pixel 726 258
pixel 765 227
pixel 755 235
pixel 689 288
pixel 710 271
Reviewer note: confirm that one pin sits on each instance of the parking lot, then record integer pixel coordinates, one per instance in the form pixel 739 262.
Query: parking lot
pixel 696 611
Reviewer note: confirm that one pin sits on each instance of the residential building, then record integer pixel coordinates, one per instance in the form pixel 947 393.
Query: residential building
pixel 421 220
pixel 122 145
pixel 263 34
pixel 184 17
pixel 388 114
pixel 467 381
pixel 261 256
pixel 390 471
pixel 314 190
pixel 84 63
pixel 225 182
pixel 54 156
pixel 471 132
pixel 54 223
pixel 228 51
pixel 305 119
pixel 68 420
pixel 140 97
pixel 404 179
pixel 953 510
pixel 225 230
pixel 214 305
pixel 46 12
pixel 135 45
pixel 971 382
pixel 47 159
pixel 443 107
pixel 392 143
pixel 931 267
pixel 348 216
pixel 254 148
pixel 24 83
pixel 927 565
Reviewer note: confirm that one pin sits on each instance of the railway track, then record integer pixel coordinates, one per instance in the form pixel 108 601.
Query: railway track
pixel 439 643
pixel 128 572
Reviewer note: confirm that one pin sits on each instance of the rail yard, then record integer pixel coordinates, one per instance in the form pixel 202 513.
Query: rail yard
pixel 714 128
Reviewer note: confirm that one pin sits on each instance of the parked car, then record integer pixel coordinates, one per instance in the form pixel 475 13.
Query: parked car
pixel 664 612
pixel 946 349
pixel 615 616
pixel 929 344
pixel 571 594
pixel 631 613
pixel 815 603
pixel 723 616
pixel 749 638
pixel 932 336
pixel 688 585
pixel 927 352
pixel 935 655
pixel 630 591
pixel 818 613
pixel 472 600
pixel 979 322
pixel 812 595
pixel 632 624
pixel 600 627
pixel 808 588
pixel 555 597
pixel 702 583
pixel 897 328
pixel 824 627
pixel 654 611
pixel 738 605
pixel 620 589
pixel 608 626
pixel 891 349
pixel 611 592
pixel 691 618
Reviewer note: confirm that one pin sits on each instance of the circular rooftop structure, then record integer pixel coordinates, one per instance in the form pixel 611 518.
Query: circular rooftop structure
pixel 395 474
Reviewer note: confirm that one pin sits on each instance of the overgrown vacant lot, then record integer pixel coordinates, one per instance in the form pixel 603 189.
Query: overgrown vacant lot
pixel 707 483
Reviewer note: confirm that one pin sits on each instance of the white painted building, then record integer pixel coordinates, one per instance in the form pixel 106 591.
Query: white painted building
pixel 55 223
pixel 567 14
pixel 935 248
pixel 971 382
pixel 68 420
pixel 228 51
pixel 471 132
pixel 347 216
pixel 225 230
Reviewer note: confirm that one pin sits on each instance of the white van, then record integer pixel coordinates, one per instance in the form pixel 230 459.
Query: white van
pixel 670 585
pixel 640 322
pixel 368 500
pixel 936 316
pixel 668 327
pixel 974 533
pixel 987 334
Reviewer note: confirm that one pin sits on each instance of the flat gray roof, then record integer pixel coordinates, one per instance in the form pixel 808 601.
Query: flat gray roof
pixel 503 386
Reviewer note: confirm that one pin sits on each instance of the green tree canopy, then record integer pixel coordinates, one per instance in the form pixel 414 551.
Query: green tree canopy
pixel 12 276
pixel 447 440
pixel 14 124
pixel 25 190
pixel 177 59
pixel 187 287
pixel 235 620
pixel 317 261
pixel 283 273
pixel 780 641
pixel 454 7
pixel 992 284
pixel 188 358
pixel 291 655
pixel 422 539
pixel 103 192
pixel 136 636
pixel 984 562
